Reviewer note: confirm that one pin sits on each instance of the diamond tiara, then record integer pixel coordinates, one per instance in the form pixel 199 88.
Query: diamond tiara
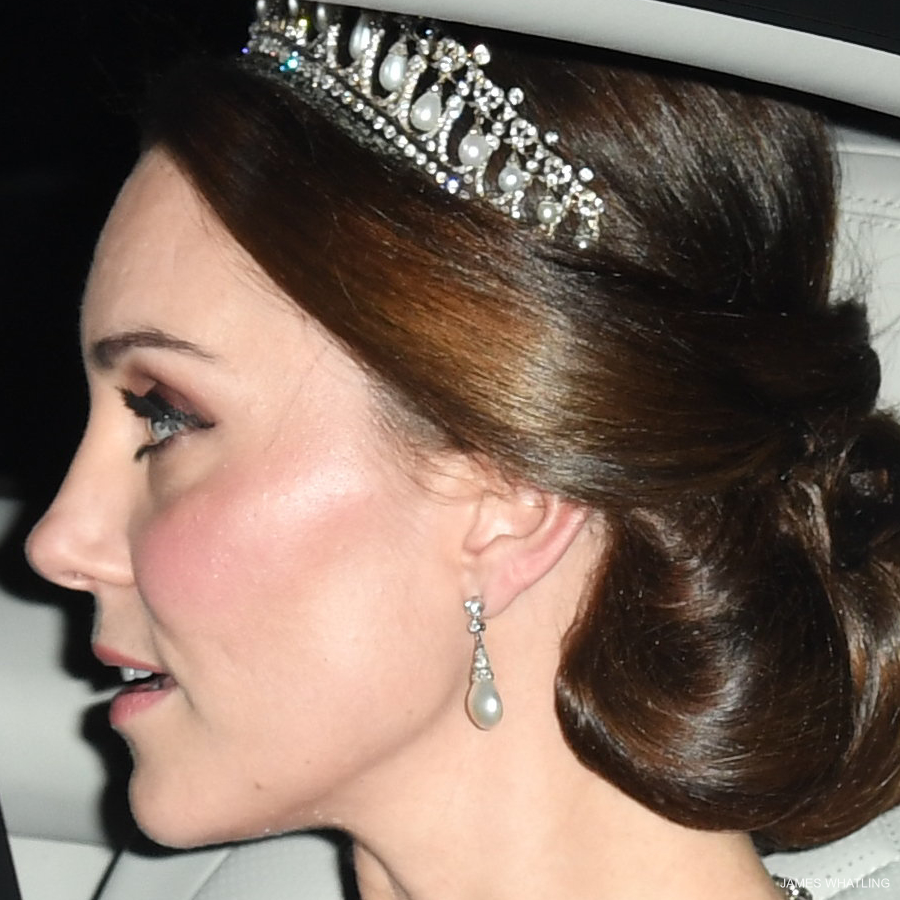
pixel 411 90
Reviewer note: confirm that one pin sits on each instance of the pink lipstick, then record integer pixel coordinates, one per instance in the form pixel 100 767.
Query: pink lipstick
pixel 145 685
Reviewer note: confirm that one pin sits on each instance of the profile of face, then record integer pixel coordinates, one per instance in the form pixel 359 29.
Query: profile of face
pixel 248 528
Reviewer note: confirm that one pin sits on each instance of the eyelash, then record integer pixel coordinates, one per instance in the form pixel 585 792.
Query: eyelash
pixel 158 414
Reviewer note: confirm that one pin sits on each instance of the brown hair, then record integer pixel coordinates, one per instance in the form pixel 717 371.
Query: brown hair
pixel 735 667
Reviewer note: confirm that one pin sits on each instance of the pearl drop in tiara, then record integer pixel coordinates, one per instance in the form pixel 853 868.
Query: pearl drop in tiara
pixel 408 89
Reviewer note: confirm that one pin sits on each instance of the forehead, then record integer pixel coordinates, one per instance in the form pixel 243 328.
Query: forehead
pixel 165 265
pixel 165 260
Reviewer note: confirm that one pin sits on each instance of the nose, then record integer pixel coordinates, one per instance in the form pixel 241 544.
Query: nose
pixel 81 541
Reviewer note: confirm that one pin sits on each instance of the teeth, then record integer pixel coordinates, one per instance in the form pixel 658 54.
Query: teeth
pixel 131 674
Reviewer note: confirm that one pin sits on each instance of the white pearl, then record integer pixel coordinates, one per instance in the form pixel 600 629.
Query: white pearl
pixel 393 68
pixel 474 149
pixel 425 112
pixel 511 178
pixel 548 212
pixel 361 36
pixel 484 705
pixel 322 17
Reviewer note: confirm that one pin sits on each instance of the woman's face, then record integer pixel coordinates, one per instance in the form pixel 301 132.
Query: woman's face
pixel 247 528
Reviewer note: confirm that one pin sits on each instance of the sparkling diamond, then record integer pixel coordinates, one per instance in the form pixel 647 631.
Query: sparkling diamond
pixel 481 55
pixel 474 606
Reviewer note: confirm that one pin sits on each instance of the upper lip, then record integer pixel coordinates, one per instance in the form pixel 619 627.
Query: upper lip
pixel 110 657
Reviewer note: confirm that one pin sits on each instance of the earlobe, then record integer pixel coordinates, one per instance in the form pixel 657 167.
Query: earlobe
pixel 518 536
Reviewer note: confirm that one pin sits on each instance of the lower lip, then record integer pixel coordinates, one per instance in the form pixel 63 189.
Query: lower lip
pixel 132 700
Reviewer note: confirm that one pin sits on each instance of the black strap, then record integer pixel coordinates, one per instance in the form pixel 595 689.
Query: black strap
pixel 9 885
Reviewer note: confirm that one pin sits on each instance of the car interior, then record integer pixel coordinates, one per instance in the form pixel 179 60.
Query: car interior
pixel 63 775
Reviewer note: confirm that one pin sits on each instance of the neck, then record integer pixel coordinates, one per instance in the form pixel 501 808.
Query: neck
pixel 463 814
pixel 509 822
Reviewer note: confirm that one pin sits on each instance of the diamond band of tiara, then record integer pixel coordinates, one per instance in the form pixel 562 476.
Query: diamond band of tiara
pixel 413 91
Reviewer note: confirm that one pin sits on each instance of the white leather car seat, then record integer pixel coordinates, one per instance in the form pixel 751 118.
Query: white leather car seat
pixel 51 780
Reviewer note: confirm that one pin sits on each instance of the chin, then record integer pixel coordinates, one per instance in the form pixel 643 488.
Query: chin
pixel 181 832
pixel 174 818
pixel 186 812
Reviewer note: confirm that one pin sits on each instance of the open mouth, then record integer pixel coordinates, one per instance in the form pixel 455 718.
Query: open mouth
pixel 137 680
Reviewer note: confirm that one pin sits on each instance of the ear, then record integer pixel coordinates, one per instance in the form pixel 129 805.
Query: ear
pixel 517 536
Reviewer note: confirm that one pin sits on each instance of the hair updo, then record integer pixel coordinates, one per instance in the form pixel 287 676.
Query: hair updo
pixel 735 665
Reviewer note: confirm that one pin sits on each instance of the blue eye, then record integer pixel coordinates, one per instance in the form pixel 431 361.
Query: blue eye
pixel 164 421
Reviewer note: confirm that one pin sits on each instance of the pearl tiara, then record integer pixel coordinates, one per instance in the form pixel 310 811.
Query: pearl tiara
pixel 410 90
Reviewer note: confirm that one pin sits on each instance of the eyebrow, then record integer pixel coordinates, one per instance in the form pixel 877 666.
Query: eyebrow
pixel 105 352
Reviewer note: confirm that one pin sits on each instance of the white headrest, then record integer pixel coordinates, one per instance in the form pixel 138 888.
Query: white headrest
pixel 710 40
pixel 870 242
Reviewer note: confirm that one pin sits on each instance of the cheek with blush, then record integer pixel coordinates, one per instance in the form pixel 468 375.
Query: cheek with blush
pixel 235 533
pixel 298 569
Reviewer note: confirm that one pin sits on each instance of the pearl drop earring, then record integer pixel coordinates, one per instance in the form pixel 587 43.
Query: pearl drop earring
pixel 483 703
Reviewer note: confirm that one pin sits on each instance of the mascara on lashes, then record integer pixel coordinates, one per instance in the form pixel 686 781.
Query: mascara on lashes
pixel 159 413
